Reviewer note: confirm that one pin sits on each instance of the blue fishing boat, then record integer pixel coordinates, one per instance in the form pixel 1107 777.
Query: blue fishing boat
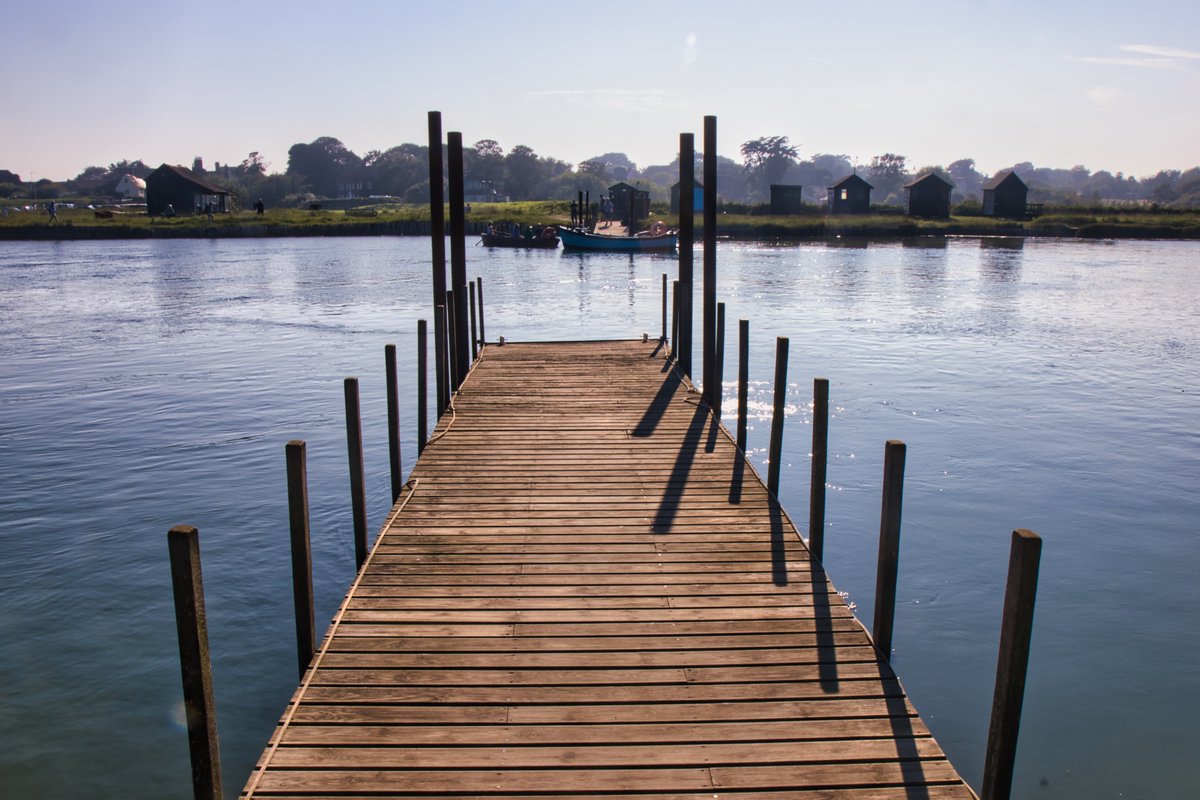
pixel 649 242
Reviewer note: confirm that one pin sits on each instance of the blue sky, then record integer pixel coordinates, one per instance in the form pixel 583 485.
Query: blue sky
pixel 1109 85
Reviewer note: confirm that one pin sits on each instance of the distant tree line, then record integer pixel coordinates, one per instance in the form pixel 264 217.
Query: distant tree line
pixel 326 168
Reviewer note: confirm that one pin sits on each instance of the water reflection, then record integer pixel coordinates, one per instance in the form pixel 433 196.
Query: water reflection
pixel 1000 258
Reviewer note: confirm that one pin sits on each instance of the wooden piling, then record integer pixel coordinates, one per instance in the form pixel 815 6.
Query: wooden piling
pixel 664 308
pixel 687 234
pixel 1016 630
pixel 422 388
pixel 743 382
pixel 354 449
pixel 439 324
pixel 719 364
pixel 302 586
pixel 710 253
pixel 820 465
pixel 452 344
pixel 191 622
pixel 775 454
pixel 674 351
pixel 458 257
pixel 889 547
pixel 482 334
pixel 393 419
pixel 437 235
pixel 474 332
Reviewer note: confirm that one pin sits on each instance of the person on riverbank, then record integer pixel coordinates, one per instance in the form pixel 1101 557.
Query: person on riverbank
pixel 52 210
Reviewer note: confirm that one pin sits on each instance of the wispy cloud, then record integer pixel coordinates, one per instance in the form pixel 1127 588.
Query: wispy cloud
pixel 1147 56
pixel 1164 52
pixel 628 100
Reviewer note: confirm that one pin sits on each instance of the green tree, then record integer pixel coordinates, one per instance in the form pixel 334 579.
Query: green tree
pixel 321 163
pixel 522 172
pixel 766 160
pixel 887 176
pixel 485 162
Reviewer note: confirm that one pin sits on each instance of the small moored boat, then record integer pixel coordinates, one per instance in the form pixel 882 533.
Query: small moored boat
pixel 546 240
pixel 654 241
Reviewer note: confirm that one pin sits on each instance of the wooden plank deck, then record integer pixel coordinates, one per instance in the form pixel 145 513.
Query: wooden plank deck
pixel 586 592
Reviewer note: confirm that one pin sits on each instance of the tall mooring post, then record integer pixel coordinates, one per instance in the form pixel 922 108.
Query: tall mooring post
pixel 687 234
pixel 458 258
pixel 820 463
pixel 437 236
pixel 354 452
pixel 710 258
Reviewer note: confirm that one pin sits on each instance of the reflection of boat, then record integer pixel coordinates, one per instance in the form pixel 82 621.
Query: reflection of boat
pixel 546 241
pixel 577 239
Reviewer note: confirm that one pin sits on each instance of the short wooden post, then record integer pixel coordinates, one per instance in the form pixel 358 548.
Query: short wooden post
pixel 439 324
pixel 776 452
pixel 675 311
pixel 302 587
pixel 393 418
pixel 482 335
pixel 354 449
pixel 474 333
pixel 183 543
pixel 452 350
pixel 719 365
pixel 743 382
pixel 820 465
pixel 422 387
pixel 1016 629
pixel 664 309
pixel 889 547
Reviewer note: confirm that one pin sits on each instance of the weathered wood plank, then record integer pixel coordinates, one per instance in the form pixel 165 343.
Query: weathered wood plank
pixel 587 592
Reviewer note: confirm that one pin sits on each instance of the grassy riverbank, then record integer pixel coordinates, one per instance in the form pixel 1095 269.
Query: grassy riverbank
pixel 413 219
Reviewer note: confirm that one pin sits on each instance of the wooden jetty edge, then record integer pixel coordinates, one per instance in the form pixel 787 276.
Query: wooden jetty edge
pixel 584 591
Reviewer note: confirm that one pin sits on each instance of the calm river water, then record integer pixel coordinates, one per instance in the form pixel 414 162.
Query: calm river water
pixel 1053 385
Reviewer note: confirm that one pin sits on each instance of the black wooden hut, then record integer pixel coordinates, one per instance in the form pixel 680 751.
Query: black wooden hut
pixel 184 191
pixel 625 197
pixel 697 197
pixel 787 198
pixel 928 196
pixel 1005 196
pixel 850 195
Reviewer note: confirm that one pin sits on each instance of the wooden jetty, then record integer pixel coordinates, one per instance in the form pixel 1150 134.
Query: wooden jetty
pixel 584 591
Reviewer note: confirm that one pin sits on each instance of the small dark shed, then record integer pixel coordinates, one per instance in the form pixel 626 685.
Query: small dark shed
pixel 697 195
pixel 850 195
pixel 928 196
pixel 622 195
pixel 183 190
pixel 786 199
pixel 1005 196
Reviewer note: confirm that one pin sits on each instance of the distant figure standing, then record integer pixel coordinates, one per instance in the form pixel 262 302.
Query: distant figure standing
pixel 574 214
pixel 208 211
pixel 52 209
pixel 259 207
